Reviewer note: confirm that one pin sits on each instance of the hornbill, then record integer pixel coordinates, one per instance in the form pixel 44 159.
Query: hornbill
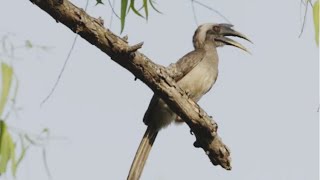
pixel 196 72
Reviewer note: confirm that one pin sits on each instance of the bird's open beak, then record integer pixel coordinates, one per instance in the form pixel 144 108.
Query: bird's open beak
pixel 226 30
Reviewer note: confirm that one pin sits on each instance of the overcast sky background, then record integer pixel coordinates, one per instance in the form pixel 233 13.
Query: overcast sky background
pixel 265 103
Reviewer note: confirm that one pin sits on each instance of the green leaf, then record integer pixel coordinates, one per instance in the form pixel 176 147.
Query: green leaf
pixel 316 20
pixel 134 9
pixel 7 148
pixel 7 72
pixel 145 6
pixel 123 14
pixel 153 7
pixel 99 2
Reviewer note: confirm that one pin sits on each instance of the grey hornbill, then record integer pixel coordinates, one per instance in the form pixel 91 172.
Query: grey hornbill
pixel 196 72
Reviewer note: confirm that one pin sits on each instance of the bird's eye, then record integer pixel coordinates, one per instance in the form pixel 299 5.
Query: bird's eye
pixel 216 29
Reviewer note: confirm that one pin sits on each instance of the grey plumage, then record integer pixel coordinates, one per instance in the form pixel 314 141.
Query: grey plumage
pixel 196 72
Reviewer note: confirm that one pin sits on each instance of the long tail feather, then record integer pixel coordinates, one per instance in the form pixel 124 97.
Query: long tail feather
pixel 142 154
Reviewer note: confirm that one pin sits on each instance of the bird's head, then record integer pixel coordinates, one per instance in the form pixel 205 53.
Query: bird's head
pixel 217 33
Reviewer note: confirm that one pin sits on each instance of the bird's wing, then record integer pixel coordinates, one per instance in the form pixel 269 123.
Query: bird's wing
pixel 185 64
pixel 177 71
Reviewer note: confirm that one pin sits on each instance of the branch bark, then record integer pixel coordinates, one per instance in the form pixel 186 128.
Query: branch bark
pixel 155 76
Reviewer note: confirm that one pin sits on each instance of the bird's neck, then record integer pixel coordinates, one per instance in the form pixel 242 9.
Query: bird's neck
pixel 211 51
pixel 209 45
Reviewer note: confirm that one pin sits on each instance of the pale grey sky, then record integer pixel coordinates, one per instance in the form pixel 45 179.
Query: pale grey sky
pixel 265 103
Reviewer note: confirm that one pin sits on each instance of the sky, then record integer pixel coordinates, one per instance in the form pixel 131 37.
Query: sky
pixel 265 103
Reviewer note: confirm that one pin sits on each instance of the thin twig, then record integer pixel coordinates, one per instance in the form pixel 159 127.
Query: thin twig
pixel 64 65
pixel 61 71
pixel 208 7
pixel 194 13
pixel 308 2
pixel 311 4
pixel 45 162
pixel 300 7
pixel 112 8
pixel 304 19
pixel 112 12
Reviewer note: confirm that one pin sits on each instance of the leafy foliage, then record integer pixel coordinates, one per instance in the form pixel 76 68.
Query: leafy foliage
pixel 315 9
pixel 123 14
pixel 126 6
pixel 134 9
pixel 7 149
pixel 9 140
pixel 7 72
pixel 145 6
pixel 7 146
pixel 316 20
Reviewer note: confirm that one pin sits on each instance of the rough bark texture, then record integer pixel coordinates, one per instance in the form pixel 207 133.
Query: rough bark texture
pixel 155 76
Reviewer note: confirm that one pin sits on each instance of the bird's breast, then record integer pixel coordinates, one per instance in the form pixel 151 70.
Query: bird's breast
pixel 200 79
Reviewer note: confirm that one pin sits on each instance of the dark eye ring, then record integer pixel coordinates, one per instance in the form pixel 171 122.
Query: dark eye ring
pixel 216 28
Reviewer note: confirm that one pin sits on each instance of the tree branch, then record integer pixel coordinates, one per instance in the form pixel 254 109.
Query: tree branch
pixel 155 76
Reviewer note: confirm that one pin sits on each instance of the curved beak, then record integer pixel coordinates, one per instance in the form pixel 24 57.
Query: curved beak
pixel 232 42
pixel 226 30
